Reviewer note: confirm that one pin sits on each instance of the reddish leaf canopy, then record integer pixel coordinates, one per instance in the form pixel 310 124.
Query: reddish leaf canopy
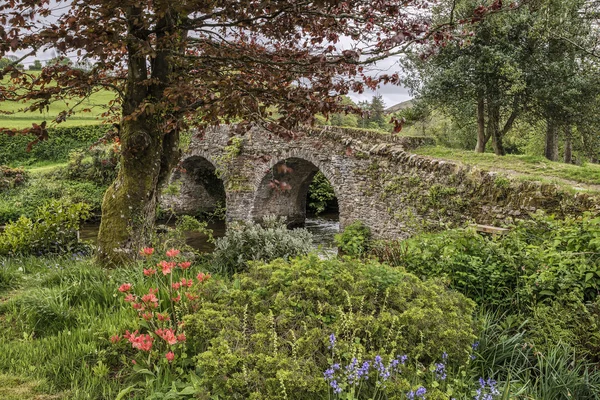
pixel 203 62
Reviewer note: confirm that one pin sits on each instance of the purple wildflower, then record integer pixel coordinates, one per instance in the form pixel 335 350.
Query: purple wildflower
pixel 440 371
pixel 331 341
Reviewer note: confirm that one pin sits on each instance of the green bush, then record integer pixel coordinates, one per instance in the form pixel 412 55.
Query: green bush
pixel 269 331
pixel 539 260
pixel 61 141
pixel 99 164
pixel 249 241
pixel 354 240
pixel 53 230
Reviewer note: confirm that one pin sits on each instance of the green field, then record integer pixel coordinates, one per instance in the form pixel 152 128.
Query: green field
pixel 522 166
pixel 97 103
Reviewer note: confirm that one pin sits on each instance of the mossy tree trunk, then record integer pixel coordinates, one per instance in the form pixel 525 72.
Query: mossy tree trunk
pixel 149 146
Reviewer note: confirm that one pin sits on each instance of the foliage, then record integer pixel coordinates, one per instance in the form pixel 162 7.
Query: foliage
pixel 269 333
pixel 374 114
pixel 99 164
pixel 45 184
pixel 249 241
pixel 53 230
pixel 167 294
pixel 354 240
pixel 504 353
pixel 11 177
pixel 320 194
pixel 61 141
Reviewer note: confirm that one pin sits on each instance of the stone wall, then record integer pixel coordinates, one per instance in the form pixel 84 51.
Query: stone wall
pixel 375 179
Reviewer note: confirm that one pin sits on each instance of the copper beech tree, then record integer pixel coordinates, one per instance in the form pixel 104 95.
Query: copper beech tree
pixel 175 65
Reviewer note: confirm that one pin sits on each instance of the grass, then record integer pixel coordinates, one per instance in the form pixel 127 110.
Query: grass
pixel 54 329
pixel 97 103
pixel 525 166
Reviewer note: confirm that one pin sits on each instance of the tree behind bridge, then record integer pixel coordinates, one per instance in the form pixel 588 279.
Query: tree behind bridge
pixel 179 64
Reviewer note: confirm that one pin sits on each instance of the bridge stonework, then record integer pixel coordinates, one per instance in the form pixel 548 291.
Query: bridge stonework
pixel 375 178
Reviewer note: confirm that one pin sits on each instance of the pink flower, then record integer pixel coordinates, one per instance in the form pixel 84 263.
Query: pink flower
pixel 181 337
pixel 147 251
pixel 149 271
pixel 173 253
pixel 150 298
pixel 129 298
pixel 147 316
pixel 185 264
pixel 186 282
pixel 176 299
pixel 203 277
pixel 170 356
pixel 168 335
pixel 191 296
pixel 162 317
pixel 114 338
pixel 133 362
pixel 176 285
pixel 166 267
pixel 125 287
pixel 142 342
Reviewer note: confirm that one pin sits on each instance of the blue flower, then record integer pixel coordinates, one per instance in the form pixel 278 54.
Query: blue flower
pixel 420 393
pixel 440 371
pixel 331 341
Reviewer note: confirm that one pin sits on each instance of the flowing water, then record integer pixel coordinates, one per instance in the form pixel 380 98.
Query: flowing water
pixel 324 227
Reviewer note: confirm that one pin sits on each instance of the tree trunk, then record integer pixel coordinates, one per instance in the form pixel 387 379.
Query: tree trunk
pixel 482 138
pixel 551 151
pixel 129 204
pixel 568 157
pixel 494 129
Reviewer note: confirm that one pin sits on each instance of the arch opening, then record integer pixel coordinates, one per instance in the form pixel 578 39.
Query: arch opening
pixel 285 191
pixel 197 190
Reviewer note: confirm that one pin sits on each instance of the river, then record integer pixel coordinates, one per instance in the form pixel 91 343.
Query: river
pixel 323 227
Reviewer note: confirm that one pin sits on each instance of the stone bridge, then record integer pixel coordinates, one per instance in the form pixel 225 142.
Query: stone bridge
pixel 375 178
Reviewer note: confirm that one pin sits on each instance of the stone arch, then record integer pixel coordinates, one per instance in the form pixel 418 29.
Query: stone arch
pixel 201 190
pixel 282 189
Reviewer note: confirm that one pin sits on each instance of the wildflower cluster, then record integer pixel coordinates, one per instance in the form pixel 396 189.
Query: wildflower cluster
pixel 158 307
pixel 353 375
pixel 487 390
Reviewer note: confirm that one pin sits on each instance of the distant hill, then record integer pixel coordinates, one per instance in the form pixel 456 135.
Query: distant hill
pixel 399 106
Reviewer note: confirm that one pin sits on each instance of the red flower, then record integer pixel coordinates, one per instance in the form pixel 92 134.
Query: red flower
pixel 176 299
pixel 149 272
pixel 185 264
pixel 129 298
pixel 138 306
pixel 114 338
pixel 170 356
pixel 125 287
pixel 147 251
pixel 166 267
pixel 150 298
pixel 133 362
pixel 176 285
pixel 173 253
pixel 181 337
pixel 191 296
pixel 147 316
pixel 168 335
pixel 203 277
pixel 187 282
pixel 162 317
pixel 142 342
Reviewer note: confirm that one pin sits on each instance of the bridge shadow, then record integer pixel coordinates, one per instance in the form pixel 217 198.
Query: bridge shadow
pixel 198 189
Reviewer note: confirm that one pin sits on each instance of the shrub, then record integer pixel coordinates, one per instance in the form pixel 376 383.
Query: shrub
pixel 268 332
pixel 12 177
pixel 99 164
pixel 354 240
pixel 61 141
pixel 249 241
pixel 52 231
